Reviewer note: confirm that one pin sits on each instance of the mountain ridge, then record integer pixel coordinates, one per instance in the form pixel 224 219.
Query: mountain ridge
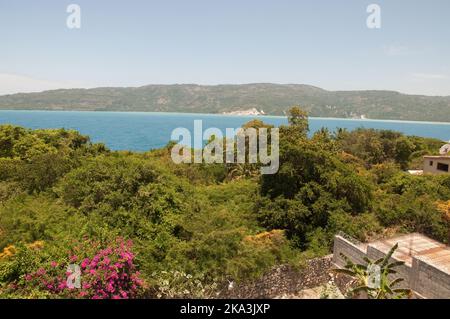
pixel 273 99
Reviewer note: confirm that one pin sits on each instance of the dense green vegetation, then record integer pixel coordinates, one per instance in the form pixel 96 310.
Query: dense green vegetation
pixel 274 99
pixel 196 226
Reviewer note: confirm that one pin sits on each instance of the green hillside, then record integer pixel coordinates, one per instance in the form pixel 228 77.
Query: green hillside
pixel 273 99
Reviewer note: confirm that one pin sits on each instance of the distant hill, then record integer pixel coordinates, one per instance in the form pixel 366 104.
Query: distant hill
pixel 273 99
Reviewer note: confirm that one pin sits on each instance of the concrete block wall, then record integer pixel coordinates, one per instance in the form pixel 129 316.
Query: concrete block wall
pixel 403 271
pixel 429 281
pixel 423 278
pixel 352 251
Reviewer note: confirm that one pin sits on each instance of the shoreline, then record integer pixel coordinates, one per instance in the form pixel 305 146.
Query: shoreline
pixel 231 115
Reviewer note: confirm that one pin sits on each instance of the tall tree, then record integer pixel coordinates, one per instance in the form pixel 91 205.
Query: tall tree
pixel 298 118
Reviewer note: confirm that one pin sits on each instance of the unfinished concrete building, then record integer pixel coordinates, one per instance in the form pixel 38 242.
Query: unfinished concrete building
pixel 427 262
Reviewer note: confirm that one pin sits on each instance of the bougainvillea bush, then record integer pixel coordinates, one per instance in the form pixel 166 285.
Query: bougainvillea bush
pixel 105 273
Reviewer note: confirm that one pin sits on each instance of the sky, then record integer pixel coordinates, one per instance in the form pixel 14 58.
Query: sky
pixel 325 43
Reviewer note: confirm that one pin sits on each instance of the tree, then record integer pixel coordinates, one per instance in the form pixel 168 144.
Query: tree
pixel 248 170
pixel 403 150
pixel 298 118
pixel 444 208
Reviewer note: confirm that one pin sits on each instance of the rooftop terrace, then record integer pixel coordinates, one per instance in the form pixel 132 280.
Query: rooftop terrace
pixel 427 262
pixel 418 246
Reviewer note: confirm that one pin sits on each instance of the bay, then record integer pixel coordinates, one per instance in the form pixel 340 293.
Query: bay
pixel 138 131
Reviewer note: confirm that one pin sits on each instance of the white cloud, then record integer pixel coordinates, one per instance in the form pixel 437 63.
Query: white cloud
pixel 13 83
pixel 429 76
pixel 396 50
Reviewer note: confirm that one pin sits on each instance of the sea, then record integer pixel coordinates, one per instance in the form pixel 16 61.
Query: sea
pixel 143 131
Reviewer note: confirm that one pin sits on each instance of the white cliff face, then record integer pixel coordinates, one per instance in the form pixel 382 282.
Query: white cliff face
pixel 252 111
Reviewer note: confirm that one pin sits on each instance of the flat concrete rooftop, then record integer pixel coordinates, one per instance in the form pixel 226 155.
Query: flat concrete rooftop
pixel 443 157
pixel 418 246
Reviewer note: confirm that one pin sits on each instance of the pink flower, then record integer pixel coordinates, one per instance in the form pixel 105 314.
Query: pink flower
pixel 106 261
pixel 114 275
pixel 110 273
pixel 41 272
pixel 85 263
pixel 86 285
pixel 62 286
pixel 110 287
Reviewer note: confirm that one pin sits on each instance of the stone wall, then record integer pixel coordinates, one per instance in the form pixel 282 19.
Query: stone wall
pixel 283 280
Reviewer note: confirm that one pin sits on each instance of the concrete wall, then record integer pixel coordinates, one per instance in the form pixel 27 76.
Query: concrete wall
pixel 402 271
pixel 349 249
pixel 430 165
pixel 424 279
pixel 429 281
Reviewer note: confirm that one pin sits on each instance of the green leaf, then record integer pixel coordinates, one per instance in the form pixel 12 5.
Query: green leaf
pixel 391 271
pixel 378 261
pixel 344 271
pixel 389 255
pixel 402 291
pixel 396 282
pixel 396 264
pixel 360 289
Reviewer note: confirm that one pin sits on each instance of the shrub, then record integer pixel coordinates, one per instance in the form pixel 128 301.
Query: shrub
pixel 105 273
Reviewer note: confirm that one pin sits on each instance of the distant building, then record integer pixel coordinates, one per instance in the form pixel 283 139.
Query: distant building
pixel 436 164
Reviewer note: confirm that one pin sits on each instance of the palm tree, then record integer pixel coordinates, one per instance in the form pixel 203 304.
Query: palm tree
pixel 372 280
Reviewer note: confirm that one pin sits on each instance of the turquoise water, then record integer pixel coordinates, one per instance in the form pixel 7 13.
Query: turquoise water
pixel 144 131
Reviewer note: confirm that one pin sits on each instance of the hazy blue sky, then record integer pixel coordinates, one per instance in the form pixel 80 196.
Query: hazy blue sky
pixel 317 42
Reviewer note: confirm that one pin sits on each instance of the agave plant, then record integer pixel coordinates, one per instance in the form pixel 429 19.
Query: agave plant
pixel 372 280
